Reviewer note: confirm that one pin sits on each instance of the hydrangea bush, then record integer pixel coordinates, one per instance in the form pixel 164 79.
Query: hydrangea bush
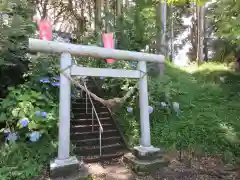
pixel 28 114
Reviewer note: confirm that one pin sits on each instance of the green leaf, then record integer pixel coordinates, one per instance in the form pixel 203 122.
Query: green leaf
pixel 32 125
pixel 15 112
pixel 24 97
pixel 3 117
pixel 21 114
pixel 6 103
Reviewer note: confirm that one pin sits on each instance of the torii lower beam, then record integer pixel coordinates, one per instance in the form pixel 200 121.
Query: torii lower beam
pixel 104 72
pixel 66 50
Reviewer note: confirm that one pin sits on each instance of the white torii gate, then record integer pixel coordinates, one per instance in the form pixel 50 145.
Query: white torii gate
pixel 67 50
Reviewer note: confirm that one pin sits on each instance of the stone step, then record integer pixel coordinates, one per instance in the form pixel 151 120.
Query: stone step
pixel 79 115
pixel 88 121
pixel 83 104
pixel 89 110
pixel 95 141
pixel 82 99
pixel 89 128
pixel 104 157
pixel 92 135
pixel 83 108
pixel 95 150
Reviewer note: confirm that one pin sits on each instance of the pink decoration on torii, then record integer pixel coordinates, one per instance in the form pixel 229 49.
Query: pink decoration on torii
pixel 108 42
pixel 44 27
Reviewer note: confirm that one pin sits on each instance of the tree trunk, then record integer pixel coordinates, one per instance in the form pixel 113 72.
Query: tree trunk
pixel 107 19
pixel 158 28
pixel 164 27
pixel 119 8
pixel 201 26
pixel 205 42
pixel 197 37
pixel 119 22
pixel 193 33
pixel 126 3
pixel 161 10
pixel 200 34
pixel 98 23
pixel 90 13
pixel 172 32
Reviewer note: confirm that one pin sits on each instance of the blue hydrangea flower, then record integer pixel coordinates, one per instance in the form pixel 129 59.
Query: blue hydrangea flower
pixel 44 80
pixel 12 137
pixel 44 114
pixel 35 136
pixel 38 113
pixel 55 83
pixel 101 77
pixel 150 109
pixel 24 122
pixel 129 109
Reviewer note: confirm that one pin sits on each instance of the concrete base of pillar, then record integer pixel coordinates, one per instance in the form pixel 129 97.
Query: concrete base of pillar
pixel 147 153
pixel 68 169
pixel 145 160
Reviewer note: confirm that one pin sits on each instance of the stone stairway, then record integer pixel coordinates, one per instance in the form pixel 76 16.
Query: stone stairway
pixel 85 136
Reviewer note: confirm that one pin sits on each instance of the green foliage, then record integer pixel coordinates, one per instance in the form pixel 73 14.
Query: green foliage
pixel 15 28
pixel 129 123
pixel 208 122
pixel 226 19
pixel 25 161
pixel 39 67
pixel 223 16
pixel 23 102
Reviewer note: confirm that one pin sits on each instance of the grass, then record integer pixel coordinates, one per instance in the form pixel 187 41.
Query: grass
pixel 209 122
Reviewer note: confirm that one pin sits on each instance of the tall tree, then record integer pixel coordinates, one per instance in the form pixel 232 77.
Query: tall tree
pixel 200 34
pixel 119 21
pixel 164 26
pixel 107 16
pixel 161 26
pixel 206 34
pixel 98 20
pixel 172 31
